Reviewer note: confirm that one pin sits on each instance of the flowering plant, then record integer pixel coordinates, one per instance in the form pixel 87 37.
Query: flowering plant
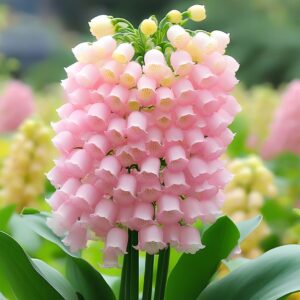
pixel 140 140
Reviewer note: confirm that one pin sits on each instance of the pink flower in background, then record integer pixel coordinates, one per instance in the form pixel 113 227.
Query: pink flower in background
pixel 16 104
pixel 284 131
pixel 141 144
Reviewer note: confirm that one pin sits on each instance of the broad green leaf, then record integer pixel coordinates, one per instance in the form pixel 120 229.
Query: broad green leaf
pixel 193 272
pixel 87 281
pixel 23 277
pixel 235 263
pixel 56 280
pixel 271 276
pixel 84 278
pixel 5 215
pixel 30 211
pixel 247 227
pixel 37 223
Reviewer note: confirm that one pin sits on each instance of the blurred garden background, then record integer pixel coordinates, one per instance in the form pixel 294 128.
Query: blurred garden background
pixel 36 37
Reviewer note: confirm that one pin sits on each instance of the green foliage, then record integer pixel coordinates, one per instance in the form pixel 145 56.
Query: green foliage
pixel 5 215
pixel 270 276
pixel 219 240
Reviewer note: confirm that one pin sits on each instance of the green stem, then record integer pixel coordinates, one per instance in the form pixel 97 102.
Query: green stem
pixel 147 290
pixel 162 273
pixel 134 270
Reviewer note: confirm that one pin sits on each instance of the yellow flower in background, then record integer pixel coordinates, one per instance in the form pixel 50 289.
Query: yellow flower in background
pixel 22 177
pixel 258 106
pixel 252 182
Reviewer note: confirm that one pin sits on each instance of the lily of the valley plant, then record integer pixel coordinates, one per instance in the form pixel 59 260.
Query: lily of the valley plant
pixel 141 138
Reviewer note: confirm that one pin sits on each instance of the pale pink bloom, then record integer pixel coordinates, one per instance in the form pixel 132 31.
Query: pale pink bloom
pixel 77 237
pixel 175 183
pixel 222 40
pixel 154 141
pixel 111 71
pixel 150 192
pixel 86 196
pixel 102 92
pixel 216 62
pixel 116 130
pixel 104 47
pixel 146 90
pixel 143 214
pixel 227 81
pixel 97 146
pixel 174 136
pixel 109 169
pixel 155 64
pixel 204 190
pixel 77 122
pixel 133 100
pixel 69 84
pixel 125 191
pixel 125 214
pixel 207 102
pixel 138 150
pixel 104 217
pixel 226 137
pixel 149 170
pixel 284 130
pixel 212 148
pixel 125 156
pixel 136 125
pixel 117 99
pixel 58 174
pixel 123 53
pixel 185 116
pixel 65 141
pixel 56 200
pixel 184 91
pixel 131 74
pixel 98 116
pixel 65 110
pixel 165 98
pixel 191 210
pixel 202 77
pixel 88 76
pixel 197 170
pixel 110 259
pixel 16 104
pixel 168 77
pixel 176 158
pixel 171 234
pixel 194 139
pixel 79 163
pixel 178 37
pixel 79 97
pixel 84 53
pixel 151 239
pixel 163 119
pixel 168 209
pixel 190 241
pixel 200 45
pixel 231 106
pixel 116 240
pixel 181 62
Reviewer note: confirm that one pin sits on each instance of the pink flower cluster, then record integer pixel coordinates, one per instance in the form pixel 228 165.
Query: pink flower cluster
pixel 284 131
pixel 141 144
pixel 16 104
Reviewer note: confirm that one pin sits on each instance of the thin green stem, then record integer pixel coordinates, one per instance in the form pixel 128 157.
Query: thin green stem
pixel 147 290
pixel 134 270
pixel 162 273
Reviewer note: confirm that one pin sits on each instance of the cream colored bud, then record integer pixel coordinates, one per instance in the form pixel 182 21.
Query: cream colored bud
pixel 148 27
pixel 197 13
pixel 101 26
pixel 174 16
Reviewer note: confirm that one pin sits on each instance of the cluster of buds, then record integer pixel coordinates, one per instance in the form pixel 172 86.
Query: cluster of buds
pixel 284 131
pixel 16 104
pixel 22 177
pixel 252 183
pixel 142 134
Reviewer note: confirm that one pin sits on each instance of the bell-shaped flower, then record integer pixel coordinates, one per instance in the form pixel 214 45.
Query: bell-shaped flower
pixel 143 214
pixel 151 239
pixel 109 169
pixel 123 53
pixel 131 74
pixel 136 126
pixel 125 191
pixel 181 62
pixel 168 209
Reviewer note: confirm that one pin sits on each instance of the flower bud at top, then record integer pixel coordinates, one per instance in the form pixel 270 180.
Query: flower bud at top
pixel 197 13
pixel 174 16
pixel 101 25
pixel 148 27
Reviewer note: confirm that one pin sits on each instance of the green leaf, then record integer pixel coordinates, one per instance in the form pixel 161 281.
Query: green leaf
pixel 56 280
pixel 84 278
pixel 247 227
pixel 23 277
pixel 29 211
pixel 271 276
pixel 87 281
pixel 5 215
pixel 194 271
pixel 235 263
